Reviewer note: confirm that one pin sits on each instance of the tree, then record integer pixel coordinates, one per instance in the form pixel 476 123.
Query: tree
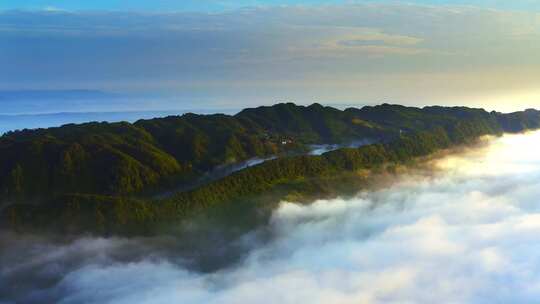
pixel 16 182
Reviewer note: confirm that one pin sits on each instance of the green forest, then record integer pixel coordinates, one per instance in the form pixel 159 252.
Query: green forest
pixel 102 177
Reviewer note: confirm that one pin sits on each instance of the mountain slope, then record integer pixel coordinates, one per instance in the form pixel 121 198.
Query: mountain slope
pixel 86 176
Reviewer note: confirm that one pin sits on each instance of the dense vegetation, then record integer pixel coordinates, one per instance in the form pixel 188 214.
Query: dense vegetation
pixel 89 174
pixel 123 158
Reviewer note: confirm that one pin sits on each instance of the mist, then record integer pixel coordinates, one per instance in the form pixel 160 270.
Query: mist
pixel 321 149
pixel 466 232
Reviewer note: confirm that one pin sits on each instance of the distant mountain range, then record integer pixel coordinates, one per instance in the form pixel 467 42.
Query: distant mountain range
pixel 101 176
pixel 31 109
pixel 34 121
pixel 73 102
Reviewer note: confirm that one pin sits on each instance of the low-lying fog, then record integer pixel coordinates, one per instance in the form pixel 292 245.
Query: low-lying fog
pixel 468 234
pixel 323 148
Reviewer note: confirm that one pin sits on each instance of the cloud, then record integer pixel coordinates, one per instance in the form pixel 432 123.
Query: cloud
pixel 467 234
pixel 53 9
pixel 345 42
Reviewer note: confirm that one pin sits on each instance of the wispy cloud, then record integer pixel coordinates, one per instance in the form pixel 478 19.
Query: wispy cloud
pixel 348 41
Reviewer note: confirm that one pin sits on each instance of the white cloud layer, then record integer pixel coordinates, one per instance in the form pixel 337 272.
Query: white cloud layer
pixel 468 234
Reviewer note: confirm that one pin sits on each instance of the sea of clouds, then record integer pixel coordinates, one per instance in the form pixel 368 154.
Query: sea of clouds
pixel 468 233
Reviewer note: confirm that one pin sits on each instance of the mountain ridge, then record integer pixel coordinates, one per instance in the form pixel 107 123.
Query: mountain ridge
pixel 95 165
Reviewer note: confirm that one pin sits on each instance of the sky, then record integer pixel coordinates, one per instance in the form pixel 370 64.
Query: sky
pixel 235 54
pixel 466 232
pixel 221 5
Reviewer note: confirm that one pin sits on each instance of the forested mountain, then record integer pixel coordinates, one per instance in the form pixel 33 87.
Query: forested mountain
pixel 97 174
pixel 123 158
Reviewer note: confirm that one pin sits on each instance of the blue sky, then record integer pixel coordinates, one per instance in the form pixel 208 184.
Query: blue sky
pixel 219 5
pixel 213 54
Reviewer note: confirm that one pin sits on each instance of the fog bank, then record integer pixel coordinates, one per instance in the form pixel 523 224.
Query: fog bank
pixel 321 149
pixel 468 234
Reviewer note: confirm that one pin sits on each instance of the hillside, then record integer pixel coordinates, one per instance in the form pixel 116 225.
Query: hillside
pixel 97 175
pixel 123 158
